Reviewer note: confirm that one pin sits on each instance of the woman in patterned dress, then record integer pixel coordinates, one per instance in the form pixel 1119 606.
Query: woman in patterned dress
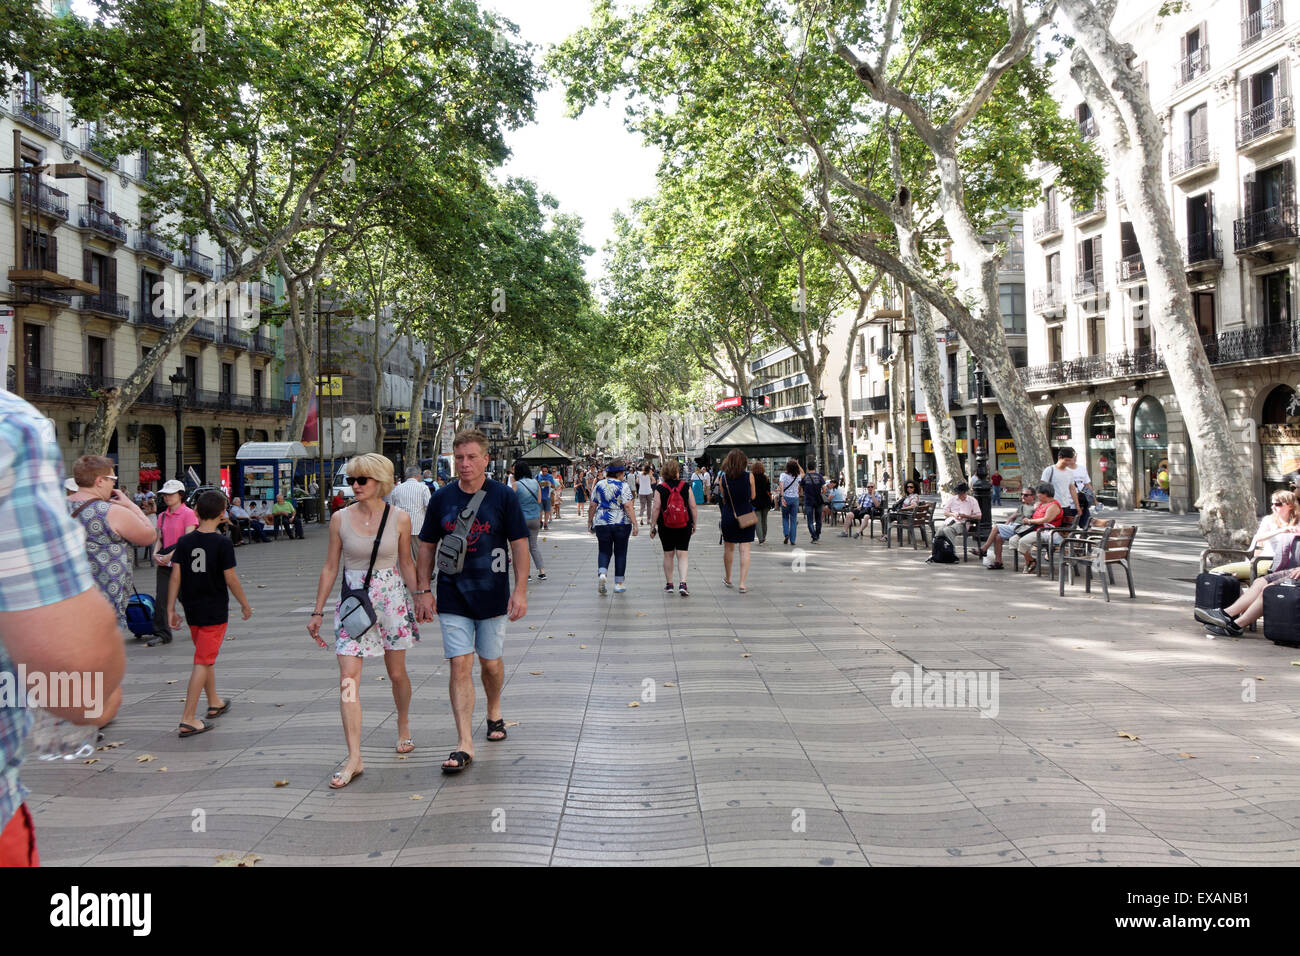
pixel 352 540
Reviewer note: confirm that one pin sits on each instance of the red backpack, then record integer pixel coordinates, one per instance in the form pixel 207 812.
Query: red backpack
pixel 676 515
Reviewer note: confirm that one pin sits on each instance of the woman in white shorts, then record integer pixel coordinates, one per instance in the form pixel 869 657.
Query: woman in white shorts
pixel 352 540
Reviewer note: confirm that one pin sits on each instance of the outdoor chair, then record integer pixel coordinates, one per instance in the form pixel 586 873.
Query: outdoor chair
pixel 1098 552
pixel 837 514
pixel 1046 542
pixel 918 519
pixel 967 529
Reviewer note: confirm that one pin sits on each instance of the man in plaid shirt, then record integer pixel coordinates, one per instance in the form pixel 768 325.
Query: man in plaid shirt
pixel 52 616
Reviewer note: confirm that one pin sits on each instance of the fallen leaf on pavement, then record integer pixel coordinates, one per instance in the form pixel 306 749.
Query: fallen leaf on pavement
pixel 512 723
pixel 145 758
pixel 261 585
pixel 402 756
pixel 162 769
pixel 669 683
pixel 91 760
pixel 572 634
pixel 172 682
pixel 282 783
pixel 237 859
pixel 381 677
pixel 746 655
pixel 111 745
pixel 532 627
pixel 279 705
pixel 1259 678
pixel 640 613
pixel 1122 733
pixel 416 796
pixel 798 605
pixel 1188 756
pixel 634 703
pixel 537 673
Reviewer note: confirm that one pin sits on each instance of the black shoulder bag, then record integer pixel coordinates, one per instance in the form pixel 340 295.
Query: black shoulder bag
pixel 452 547
pixel 356 613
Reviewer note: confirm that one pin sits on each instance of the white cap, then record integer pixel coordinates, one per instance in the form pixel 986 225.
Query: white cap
pixel 71 485
pixel 172 487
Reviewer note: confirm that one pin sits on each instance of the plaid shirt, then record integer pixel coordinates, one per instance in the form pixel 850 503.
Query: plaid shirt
pixel 42 555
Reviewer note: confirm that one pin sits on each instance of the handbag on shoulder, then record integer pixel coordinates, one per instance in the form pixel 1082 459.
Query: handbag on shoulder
pixel 356 613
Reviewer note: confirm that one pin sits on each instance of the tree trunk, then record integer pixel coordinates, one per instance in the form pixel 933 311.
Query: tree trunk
pixel 302 319
pixel 898 417
pixel 1134 135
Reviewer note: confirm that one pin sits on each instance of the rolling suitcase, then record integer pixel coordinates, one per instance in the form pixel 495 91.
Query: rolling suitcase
pixel 1216 590
pixel 1282 614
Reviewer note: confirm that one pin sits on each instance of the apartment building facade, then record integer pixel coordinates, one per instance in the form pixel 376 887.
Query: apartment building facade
pixel 75 345
pixel 1219 75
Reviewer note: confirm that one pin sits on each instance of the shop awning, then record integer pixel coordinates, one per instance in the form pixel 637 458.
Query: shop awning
pixel 264 450
pixel 756 437
pixel 544 453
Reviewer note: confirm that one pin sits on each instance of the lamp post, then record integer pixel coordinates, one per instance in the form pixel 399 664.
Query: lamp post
pixel 981 487
pixel 819 424
pixel 180 389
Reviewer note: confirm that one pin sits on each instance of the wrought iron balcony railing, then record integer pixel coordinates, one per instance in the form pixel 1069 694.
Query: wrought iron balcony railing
pixel 1267 19
pixel 1191 155
pixel 1271 116
pixel 101 222
pixel 1267 225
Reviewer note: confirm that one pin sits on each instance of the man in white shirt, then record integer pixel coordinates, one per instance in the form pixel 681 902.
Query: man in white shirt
pixel 1061 477
pixel 958 510
pixel 412 496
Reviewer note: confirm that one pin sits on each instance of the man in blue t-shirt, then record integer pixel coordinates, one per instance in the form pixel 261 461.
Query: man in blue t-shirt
pixel 546 481
pixel 812 483
pixel 472 606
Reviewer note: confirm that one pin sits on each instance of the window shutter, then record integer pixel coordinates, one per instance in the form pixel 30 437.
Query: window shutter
pixel 1248 194
pixel 1209 211
pixel 110 275
pixel 1287 182
pixel 1243 89
pixel 1205 43
pixel 86 262
pixel 52 255
pixel 1080 262
pixel 1182 49
pixel 1096 258
pixel 1284 77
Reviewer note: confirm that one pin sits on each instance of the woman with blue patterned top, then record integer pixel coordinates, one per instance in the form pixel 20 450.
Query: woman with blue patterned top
pixel 612 517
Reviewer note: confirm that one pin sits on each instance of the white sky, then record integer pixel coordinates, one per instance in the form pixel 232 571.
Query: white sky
pixel 592 165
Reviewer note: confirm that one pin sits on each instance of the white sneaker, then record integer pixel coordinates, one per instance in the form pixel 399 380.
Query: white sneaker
pixel 601 586
pixel 619 589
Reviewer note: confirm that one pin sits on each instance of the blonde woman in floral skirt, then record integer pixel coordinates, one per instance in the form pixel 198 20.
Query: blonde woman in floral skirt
pixel 352 539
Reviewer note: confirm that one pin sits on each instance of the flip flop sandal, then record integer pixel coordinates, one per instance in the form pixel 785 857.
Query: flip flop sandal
pixel 340 779
pixel 497 726
pixel 189 730
pixel 462 759
pixel 218 711
pixel 406 745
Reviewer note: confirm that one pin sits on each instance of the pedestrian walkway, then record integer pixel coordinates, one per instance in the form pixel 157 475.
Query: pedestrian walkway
pixel 777 727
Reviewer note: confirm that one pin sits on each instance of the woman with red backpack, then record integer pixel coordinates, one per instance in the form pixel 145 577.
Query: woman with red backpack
pixel 673 518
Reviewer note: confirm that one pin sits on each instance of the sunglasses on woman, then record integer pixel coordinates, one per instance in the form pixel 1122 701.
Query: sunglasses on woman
pixel 357 480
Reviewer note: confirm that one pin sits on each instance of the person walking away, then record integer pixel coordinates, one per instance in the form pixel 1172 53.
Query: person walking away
pixel 612 517
pixel 762 497
pixel 996 481
pixel 736 504
pixel 203 575
pixel 473 604
pixel 812 483
pixel 1061 477
pixel 674 516
pixel 546 483
pixel 53 619
pixel 790 500
pixel 174 522
pixel 113 524
pixel 529 493
pixel 372 542
pixel 645 492
pixel 412 496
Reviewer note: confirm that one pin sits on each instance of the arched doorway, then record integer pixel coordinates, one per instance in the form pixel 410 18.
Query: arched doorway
pixel 1059 430
pixel 195 452
pixel 153 456
pixel 1279 438
pixel 1151 447
pixel 261 434
pixel 1100 432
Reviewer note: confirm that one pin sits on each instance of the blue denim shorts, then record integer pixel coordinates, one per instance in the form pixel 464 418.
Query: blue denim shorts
pixel 465 635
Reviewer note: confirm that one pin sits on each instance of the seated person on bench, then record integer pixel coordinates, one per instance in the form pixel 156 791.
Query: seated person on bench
pixel 1284 519
pixel 1249 608
pixel 960 508
pixel 835 503
pixel 1023 533
pixel 869 506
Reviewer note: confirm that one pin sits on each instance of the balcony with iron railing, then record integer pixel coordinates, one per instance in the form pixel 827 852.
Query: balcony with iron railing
pixel 1204 248
pixel 149 244
pixel 1095 209
pixel 99 221
pixel 196 262
pixel 1047 225
pixel 95 143
pixel 1196 63
pixel 38 293
pixel 146 314
pixel 972 391
pixel 1194 158
pixel 204 329
pixel 206 399
pixel 1089 283
pixel 1049 299
pixel 883 354
pixel 235 338
pixel 1267 227
pixel 111 304
pixel 1131 268
pixel 875 403
pixel 1267 19
pixel 44 198
pixel 1088 127
pixel 263 343
pixel 266 292
pixel 1269 121
pixel 954 395
pixel 38 114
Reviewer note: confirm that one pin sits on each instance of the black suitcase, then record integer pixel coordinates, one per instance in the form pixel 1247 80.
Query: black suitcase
pixel 1282 614
pixel 1216 590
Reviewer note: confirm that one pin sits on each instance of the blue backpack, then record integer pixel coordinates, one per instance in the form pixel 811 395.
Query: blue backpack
pixel 139 614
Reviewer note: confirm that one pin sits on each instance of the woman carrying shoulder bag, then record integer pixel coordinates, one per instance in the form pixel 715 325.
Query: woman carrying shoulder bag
pixel 529 493
pixel 738 516
pixel 373 542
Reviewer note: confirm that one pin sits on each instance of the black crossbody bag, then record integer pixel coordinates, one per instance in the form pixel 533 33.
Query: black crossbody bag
pixel 356 613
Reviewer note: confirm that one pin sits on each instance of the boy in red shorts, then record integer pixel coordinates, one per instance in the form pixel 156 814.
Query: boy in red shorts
pixel 203 573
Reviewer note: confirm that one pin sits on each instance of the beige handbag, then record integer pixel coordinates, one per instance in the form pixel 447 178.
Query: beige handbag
pixel 749 518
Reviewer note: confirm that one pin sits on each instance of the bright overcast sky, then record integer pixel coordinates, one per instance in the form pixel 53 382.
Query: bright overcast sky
pixel 592 165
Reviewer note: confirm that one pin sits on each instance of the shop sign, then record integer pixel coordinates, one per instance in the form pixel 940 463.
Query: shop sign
pixel 1279 434
pixel 922 417
pixel 1005 446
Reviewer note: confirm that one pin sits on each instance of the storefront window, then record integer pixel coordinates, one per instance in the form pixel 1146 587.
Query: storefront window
pixel 1151 442
pixel 1279 438
pixel 1101 454
pixel 1059 430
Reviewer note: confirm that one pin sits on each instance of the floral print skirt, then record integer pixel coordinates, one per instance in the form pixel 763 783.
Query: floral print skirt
pixel 394 628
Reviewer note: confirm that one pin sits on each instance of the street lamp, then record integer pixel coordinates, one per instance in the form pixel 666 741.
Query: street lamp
pixel 981 487
pixel 180 389
pixel 819 408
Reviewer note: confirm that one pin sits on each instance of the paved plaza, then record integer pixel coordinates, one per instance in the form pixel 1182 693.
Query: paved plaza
pixel 772 735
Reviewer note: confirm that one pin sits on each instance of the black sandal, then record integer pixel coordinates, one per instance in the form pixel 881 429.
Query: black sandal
pixel 214 712
pixel 497 727
pixel 462 759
